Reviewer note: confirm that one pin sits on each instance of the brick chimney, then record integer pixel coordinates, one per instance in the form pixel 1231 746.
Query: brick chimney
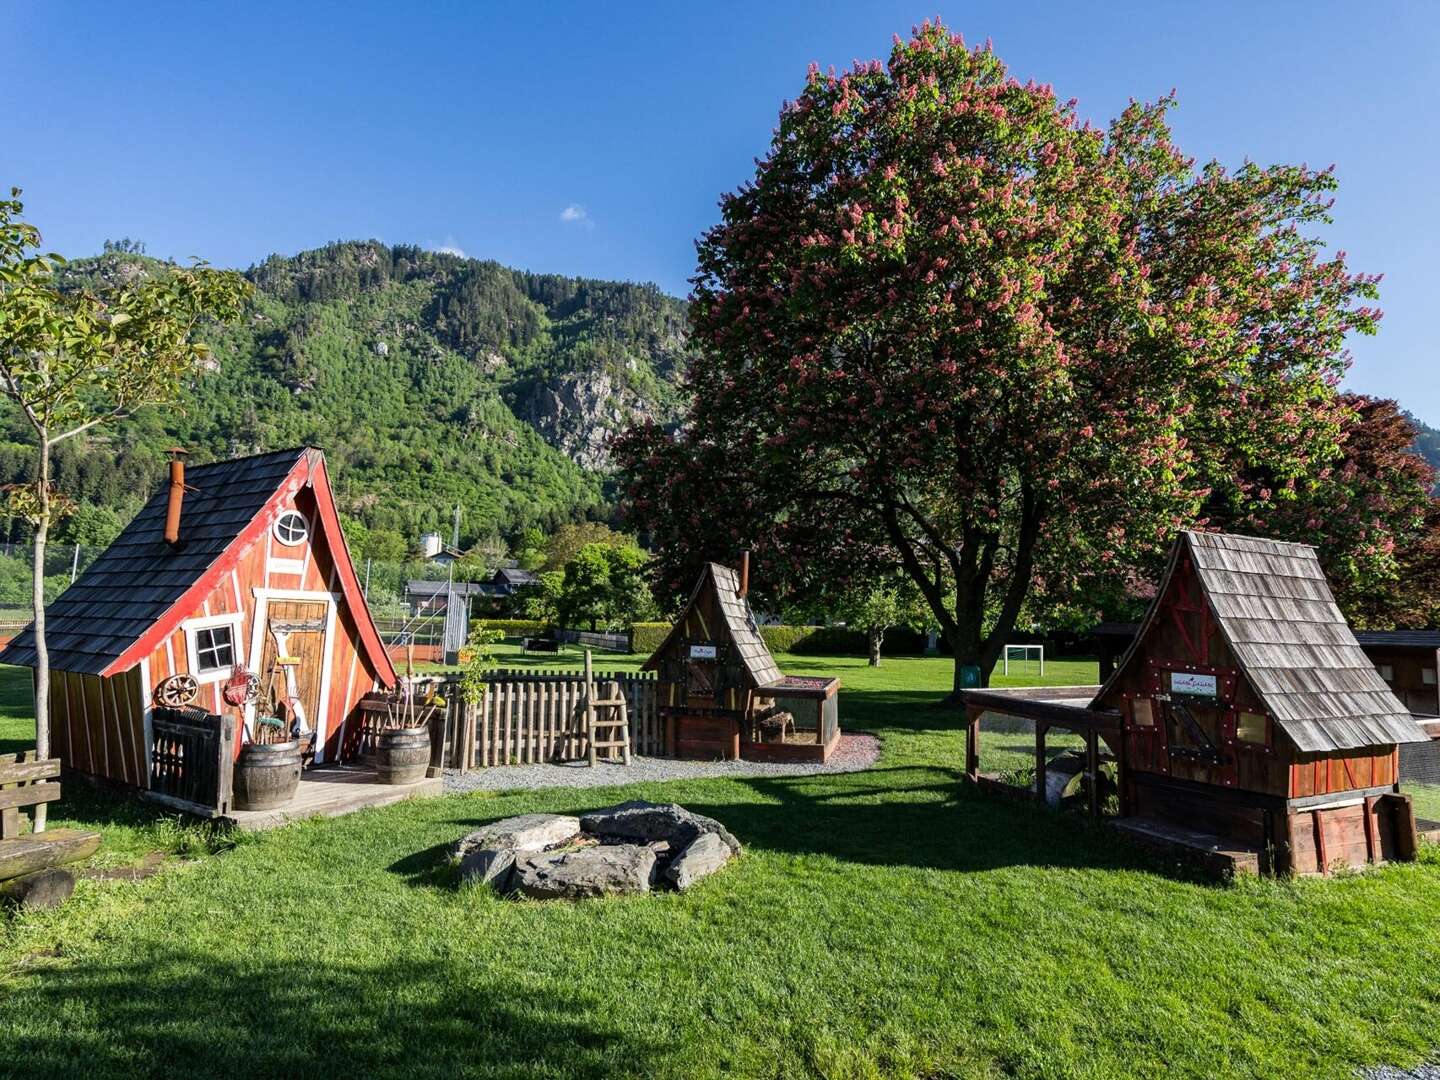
pixel 744 574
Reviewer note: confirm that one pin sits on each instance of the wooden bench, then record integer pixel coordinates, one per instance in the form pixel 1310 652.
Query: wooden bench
pixel 27 859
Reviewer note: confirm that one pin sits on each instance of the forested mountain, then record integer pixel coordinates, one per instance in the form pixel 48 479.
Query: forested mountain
pixel 1427 441
pixel 429 379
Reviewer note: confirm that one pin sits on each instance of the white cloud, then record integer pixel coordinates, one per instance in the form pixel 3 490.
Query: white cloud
pixel 575 214
pixel 450 247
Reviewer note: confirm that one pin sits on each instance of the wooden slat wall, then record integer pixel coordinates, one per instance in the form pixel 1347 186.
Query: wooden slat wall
pixel 97 725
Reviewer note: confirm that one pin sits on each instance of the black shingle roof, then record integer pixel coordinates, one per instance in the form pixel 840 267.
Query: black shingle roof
pixel 137 579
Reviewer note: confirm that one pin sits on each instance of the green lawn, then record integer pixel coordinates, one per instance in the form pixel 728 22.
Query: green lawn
pixel 887 923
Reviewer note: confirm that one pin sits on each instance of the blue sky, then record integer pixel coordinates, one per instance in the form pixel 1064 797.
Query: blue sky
pixel 595 138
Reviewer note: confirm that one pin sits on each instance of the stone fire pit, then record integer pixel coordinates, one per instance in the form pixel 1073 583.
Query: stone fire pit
pixel 631 848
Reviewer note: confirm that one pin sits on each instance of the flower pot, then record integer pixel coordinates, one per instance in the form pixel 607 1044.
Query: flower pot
pixel 266 776
pixel 402 755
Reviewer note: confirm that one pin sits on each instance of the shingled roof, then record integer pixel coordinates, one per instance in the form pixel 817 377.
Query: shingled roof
pixel 1276 613
pixel 749 645
pixel 739 622
pixel 132 590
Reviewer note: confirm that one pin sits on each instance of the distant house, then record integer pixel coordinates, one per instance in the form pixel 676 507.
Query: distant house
pixel 230 570
pixel 434 549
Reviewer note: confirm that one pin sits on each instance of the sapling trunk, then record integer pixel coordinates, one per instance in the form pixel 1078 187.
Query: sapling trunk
pixel 37 600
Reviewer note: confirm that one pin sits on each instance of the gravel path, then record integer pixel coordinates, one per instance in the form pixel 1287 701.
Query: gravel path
pixel 855 752
pixel 1420 1072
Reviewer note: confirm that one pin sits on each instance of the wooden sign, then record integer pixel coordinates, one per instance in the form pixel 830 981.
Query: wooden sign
pixel 1193 684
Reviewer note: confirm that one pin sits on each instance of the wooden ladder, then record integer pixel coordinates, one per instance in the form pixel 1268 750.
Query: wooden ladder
pixel 615 715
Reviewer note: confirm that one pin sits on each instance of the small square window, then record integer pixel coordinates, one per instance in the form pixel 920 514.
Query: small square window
pixel 1427 676
pixel 1250 727
pixel 1140 712
pixel 1387 671
pixel 214 649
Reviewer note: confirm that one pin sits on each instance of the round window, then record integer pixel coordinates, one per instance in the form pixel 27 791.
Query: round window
pixel 291 528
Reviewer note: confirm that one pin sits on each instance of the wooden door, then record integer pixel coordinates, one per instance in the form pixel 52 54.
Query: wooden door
pixel 301 623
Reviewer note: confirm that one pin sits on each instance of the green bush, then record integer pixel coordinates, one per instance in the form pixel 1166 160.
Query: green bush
pixel 647 636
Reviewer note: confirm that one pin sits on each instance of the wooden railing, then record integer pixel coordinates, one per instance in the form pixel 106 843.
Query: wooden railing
pixel 598 639
pixel 192 761
pixel 529 717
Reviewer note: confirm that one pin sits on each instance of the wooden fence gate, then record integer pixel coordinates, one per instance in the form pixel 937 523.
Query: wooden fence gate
pixel 530 717
pixel 192 761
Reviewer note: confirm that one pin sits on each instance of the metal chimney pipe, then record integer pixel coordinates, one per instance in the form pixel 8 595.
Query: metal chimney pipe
pixel 744 574
pixel 177 495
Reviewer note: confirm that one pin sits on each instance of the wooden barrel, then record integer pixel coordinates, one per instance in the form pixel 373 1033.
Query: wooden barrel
pixel 266 776
pixel 402 755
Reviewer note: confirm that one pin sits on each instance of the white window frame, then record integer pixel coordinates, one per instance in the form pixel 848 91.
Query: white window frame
pixel 275 528
pixel 235 621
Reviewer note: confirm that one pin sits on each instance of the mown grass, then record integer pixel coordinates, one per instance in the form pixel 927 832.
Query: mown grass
pixel 887 923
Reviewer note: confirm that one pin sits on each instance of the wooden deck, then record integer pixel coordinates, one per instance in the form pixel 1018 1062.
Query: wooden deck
pixel 333 790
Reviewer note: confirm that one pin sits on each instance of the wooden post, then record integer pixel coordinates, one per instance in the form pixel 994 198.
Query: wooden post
pixel 225 766
pixel 589 710
pixel 1040 763
pixel 1092 767
pixel 972 741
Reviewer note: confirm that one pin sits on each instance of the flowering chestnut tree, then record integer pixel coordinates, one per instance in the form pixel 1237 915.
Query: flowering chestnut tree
pixel 950 327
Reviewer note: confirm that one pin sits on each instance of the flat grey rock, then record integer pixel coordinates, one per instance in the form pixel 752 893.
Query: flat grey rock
pixel 487 866
pixel 647 821
pixel 707 853
pixel 528 832
pixel 583 872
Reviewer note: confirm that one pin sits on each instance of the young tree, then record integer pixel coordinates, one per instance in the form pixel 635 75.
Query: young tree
pixel 605 586
pixel 72 361
pixel 565 543
pixel 950 328
pixel 876 606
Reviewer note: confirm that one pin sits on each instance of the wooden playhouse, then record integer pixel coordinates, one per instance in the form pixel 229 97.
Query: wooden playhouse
pixel 721 693
pixel 233 578
pixel 1244 718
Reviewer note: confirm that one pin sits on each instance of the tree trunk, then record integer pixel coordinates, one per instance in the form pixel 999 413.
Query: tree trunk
pixel 37 600
pixel 876 634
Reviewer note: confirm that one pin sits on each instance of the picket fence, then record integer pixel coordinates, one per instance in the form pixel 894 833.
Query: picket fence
pixel 531 717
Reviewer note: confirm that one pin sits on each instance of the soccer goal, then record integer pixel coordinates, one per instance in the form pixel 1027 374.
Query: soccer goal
pixel 1028 655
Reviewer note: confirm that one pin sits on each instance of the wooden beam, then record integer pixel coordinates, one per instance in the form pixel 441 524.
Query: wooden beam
pixel 1041 765
pixel 973 713
pixel 1092 770
pixel 54 847
pixel 30 795
pixel 21 772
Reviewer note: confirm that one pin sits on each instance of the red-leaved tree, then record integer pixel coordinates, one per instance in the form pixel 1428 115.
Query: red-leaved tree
pixel 950 327
pixel 1369 514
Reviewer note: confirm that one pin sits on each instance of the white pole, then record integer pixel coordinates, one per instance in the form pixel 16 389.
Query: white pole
pixel 1042 661
pixel 75 564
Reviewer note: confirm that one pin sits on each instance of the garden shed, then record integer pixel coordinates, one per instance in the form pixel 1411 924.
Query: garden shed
pixel 1245 715
pixel 230 594
pixel 722 694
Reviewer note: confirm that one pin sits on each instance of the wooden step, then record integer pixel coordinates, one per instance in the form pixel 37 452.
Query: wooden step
pixel 54 847
pixel 609 703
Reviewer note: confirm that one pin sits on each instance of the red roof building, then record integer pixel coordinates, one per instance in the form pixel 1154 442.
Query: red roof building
pixel 258 571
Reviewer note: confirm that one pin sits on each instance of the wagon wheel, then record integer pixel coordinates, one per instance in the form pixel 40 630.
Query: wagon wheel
pixel 177 691
pixel 242 688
